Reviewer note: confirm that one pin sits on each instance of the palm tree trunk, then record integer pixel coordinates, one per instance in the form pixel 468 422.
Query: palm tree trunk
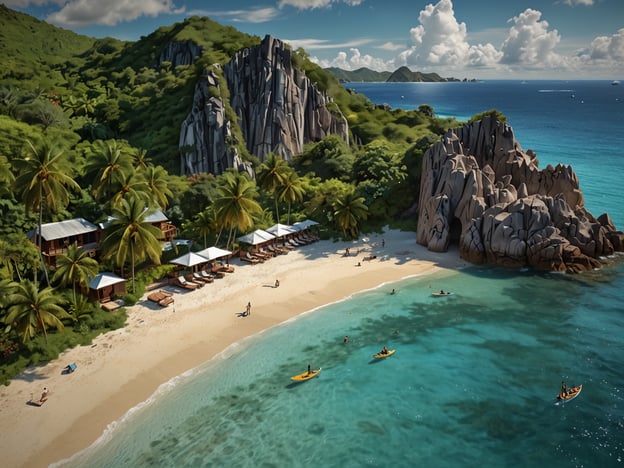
pixel 39 240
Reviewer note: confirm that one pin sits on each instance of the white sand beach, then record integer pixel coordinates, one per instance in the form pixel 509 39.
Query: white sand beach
pixel 126 366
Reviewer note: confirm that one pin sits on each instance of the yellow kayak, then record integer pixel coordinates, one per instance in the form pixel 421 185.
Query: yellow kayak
pixel 381 355
pixel 441 293
pixel 306 375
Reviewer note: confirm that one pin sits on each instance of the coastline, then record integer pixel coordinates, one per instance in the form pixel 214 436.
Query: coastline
pixel 123 368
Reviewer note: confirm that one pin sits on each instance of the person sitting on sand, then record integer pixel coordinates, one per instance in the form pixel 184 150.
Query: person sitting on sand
pixel 277 283
pixel 44 395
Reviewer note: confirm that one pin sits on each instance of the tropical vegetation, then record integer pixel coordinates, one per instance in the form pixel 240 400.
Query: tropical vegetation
pixel 90 128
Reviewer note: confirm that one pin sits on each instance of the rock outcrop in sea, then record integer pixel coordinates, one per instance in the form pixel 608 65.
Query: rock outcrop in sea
pixel 277 107
pixel 480 189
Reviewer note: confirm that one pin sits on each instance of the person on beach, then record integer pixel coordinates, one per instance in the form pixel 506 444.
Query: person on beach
pixel 277 283
pixel 248 311
pixel 44 395
pixel 347 253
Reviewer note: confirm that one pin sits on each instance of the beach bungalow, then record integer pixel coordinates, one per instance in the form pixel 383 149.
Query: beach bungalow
pixel 57 237
pixel 105 286
pixel 156 218
pixel 160 220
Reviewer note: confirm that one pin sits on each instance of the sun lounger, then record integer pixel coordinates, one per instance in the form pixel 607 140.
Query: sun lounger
pixel 251 259
pixel 208 278
pixel 186 284
pixel 198 277
pixel 192 280
pixel 162 298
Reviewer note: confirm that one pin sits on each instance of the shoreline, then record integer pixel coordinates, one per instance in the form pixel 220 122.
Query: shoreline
pixel 126 367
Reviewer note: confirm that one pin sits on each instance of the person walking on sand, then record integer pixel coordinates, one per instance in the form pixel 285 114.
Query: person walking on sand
pixel 44 395
pixel 248 311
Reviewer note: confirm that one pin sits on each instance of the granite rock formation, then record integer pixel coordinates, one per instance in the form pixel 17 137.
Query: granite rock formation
pixel 179 53
pixel 278 109
pixel 205 132
pixel 481 190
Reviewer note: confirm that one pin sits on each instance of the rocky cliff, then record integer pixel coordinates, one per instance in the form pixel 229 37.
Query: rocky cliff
pixel 278 109
pixel 481 190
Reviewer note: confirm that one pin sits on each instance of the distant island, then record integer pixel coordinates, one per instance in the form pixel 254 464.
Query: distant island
pixel 400 75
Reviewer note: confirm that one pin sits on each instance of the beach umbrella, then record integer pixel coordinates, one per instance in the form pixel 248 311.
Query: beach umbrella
pixel 303 225
pixel 213 253
pixel 259 236
pixel 281 230
pixel 190 259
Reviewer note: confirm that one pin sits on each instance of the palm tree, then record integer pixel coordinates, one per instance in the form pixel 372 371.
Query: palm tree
pixel 156 178
pixel 291 191
pixel 75 267
pixel 108 166
pixel 141 161
pixel 349 211
pixel 131 185
pixel 44 179
pixel 236 205
pixel 205 223
pixel 130 237
pixel 31 310
pixel 271 175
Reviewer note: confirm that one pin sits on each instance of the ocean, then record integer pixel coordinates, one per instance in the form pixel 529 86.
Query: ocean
pixel 475 374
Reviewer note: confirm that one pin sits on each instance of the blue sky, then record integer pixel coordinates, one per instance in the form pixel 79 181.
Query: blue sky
pixel 567 39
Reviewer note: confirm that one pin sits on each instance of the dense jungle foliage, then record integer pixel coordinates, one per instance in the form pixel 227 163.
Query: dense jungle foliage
pixel 90 128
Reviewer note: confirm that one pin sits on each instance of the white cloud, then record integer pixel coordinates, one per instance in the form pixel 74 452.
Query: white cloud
pixel 391 46
pixel 312 4
pixel 311 44
pixel 605 49
pixel 530 44
pixel 357 60
pixel 578 2
pixel 111 12
pixel 441 41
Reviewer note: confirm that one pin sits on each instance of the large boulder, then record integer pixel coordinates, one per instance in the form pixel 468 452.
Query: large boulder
pixel 479 182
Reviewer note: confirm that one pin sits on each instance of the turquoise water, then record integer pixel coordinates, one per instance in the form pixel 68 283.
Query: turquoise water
pixel 472 382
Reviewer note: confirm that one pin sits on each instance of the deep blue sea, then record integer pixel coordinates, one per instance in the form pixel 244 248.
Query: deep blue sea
pixel 474 377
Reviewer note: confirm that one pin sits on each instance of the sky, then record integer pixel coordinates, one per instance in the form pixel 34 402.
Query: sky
pixel 474 39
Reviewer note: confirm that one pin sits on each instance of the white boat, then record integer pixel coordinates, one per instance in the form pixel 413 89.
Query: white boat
pixel 615 82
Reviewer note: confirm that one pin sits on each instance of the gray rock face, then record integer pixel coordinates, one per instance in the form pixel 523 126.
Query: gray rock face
pixel 279 110
pixel 481 190
pixel 180 53
pixel 205 132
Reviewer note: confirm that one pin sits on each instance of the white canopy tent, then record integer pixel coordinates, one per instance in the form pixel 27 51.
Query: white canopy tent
pixel 213 253
pixel 190 259
pixel 259 236
pixel 302 225
pixel 281 230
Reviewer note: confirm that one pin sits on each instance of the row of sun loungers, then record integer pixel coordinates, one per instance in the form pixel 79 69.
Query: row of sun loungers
pixel 271 250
